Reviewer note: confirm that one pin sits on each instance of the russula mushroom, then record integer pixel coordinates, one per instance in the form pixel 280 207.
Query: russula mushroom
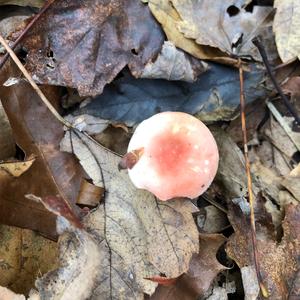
pixel 175 155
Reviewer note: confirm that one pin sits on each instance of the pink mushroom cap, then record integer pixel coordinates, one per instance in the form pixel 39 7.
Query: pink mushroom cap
pixel 179 156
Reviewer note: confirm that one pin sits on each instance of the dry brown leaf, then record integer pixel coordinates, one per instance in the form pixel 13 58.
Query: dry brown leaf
pixel 132 236
pixel 168 17
pixel 203 269
pixel 7 143
pixel 24 256
pixel 17 168
pixel 279 261
pixel 37 132
pixel 225 25
pixel 292 87
pixel 86 44
pixel 287 29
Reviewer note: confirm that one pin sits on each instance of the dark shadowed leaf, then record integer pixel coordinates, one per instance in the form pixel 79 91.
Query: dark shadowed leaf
pixel 214 96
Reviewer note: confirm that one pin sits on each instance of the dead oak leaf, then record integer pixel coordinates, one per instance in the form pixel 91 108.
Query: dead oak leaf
pixel 133 235
pixel 224 25
pixel 279 262
pixel 84 45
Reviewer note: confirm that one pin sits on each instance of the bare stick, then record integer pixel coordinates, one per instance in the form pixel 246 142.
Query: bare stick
pixel 249 184
pixel 28 27
pixel 33 84
pixel 286 101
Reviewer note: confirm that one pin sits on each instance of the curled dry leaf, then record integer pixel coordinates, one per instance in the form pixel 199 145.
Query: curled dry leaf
pixel 53 172
pixel 279 262
pixel 89 194
pixel 224 25
pixel 132 236
pixel 174 64
pixel 287 29
pixel 86 44
pixel 203 269
pixel 17 168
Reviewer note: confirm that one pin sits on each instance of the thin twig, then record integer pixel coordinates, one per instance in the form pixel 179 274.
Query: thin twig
pixel 264 291
pixel 286 101
pixel 27 28
pixel 33 84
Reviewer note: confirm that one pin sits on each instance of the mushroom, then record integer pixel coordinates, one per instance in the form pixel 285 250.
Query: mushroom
pixel 172 154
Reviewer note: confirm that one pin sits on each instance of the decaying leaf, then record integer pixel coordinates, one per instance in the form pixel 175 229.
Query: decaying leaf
pixel 213 96
pixel 225 25
pixel 168 17
pixel 17 168
pixel 279 262
pixel 132 236
pixel 24 256
pixel 53 172
pixel 203 269
pixel 174 64
pixel 287 29
pixel 86 44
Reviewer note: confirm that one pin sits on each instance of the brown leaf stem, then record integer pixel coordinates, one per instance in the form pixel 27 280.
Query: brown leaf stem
pixel 33 84
pixel 263 290
pixel 256 41
pixel 27 28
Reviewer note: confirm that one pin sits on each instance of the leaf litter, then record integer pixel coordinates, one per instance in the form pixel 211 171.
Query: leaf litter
pixel 131 244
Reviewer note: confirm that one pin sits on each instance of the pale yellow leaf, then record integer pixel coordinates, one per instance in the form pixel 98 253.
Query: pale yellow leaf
pixel 17 168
